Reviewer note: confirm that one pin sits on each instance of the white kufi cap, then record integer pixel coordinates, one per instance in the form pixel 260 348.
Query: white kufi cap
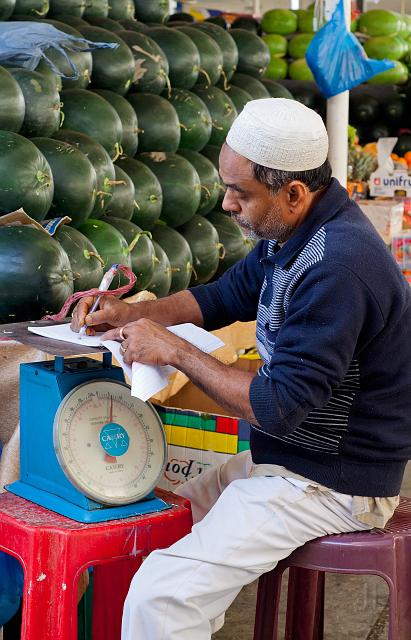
pixel 280 134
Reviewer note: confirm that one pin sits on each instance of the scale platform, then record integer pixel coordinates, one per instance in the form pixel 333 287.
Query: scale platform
pixel 48 474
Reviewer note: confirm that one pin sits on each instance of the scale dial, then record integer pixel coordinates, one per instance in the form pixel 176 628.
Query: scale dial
pixel 110 445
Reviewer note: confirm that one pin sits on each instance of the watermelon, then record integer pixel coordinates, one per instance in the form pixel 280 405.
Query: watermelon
pixel 104 23
pixel 219 21
pixel 179 254
pixel 239 96
pixel 277 45
pixel 74 179
pixel 6 8
pixel 236 244
pixel 101 162
pixel 159 127
pixel 152 10
pixel 121 9
pixel 281 21
pixel 85 262
pixel 277 69
pixel 254 87
pixel 222 111
pixel 298 45
pixel 72 21
pixel 211 56
pixel 181 16
pixel 26 179
pixel 205 246
pixel 253 52
pixel 397 75
pixel 109 242
pixel 113 69
pixel 91 114
pixel 377 131
pixel 127 115
pixel 227 45
pixel 96 8
pixel 394 108
pixel 209 179
pixel 380 47
pixel 140 248
pixel 194 117
pixel 364 108
pixel 306 94
pixel 212 152
pixel 48 72
pixel 133 25
pixel 403 144
pixel 35 274
pixel 306 21
pixel 182 54
pixel 299 70
pixel 121 203
pixel 148 198
pixel 180 184
pixel 38 8
pixel 379 22
pixel 72 7
pixel 151 75
pixel 160 283
pixel 12 106
pixel 42 114
pixel 276 90
pixel 246 22
pixel 82 61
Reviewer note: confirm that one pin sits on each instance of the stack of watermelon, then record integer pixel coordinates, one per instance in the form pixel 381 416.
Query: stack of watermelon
pixel 385 34
pixel 127 150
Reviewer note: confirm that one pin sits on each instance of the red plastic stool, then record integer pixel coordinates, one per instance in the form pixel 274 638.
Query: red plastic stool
pixel 55 550
pixel 383 553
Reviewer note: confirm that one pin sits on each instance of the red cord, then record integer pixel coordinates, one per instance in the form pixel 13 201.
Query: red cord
pixel 95 292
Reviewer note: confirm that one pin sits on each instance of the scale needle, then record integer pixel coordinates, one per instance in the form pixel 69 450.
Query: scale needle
pixel 107 457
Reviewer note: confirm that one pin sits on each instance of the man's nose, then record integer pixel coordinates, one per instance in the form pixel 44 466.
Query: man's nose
pixel 230 203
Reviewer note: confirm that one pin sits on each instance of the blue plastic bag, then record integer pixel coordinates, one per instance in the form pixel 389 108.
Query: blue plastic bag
pixel 24 44
pixel 337 60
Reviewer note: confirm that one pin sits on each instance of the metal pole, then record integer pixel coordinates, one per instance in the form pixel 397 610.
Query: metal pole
pixel 257 8
pixel 337 124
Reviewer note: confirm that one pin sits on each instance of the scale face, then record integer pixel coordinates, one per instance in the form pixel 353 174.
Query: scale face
pixel 110 445
pixel 89 450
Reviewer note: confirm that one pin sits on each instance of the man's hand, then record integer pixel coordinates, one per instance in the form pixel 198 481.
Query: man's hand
pixel 148 342
pixel 112 313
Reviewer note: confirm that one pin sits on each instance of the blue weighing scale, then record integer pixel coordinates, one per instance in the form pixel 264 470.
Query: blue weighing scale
pixel 88 449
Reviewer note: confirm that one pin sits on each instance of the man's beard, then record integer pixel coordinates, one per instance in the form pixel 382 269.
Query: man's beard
pixel 271 227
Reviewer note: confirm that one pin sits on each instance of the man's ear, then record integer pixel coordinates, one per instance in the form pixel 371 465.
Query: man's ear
pixel 297 193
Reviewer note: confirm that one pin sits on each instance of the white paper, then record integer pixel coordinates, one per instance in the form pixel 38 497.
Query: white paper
pixel 63 332
pixel 146 380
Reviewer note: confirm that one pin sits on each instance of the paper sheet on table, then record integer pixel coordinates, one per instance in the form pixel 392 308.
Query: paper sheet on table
pixel 63 332
pixel 146 380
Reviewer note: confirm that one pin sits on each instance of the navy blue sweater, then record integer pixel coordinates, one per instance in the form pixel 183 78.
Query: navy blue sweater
pixel 333 397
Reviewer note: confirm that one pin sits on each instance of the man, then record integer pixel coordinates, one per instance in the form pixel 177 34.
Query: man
pixel 330 407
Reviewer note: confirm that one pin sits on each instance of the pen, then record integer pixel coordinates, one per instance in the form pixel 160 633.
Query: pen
pixel 103 286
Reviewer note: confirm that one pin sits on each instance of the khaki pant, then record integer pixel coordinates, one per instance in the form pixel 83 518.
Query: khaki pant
pixel 245 523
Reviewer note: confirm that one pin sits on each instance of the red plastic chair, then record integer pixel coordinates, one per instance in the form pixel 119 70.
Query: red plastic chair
pixel 55 550
pixel 383 553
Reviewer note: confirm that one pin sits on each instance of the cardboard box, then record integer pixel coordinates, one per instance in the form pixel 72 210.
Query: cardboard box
pixel 386 216
pixel 387 181
pixel 199 432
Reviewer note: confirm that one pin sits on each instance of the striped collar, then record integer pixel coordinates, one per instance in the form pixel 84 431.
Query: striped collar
pixel 333 200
